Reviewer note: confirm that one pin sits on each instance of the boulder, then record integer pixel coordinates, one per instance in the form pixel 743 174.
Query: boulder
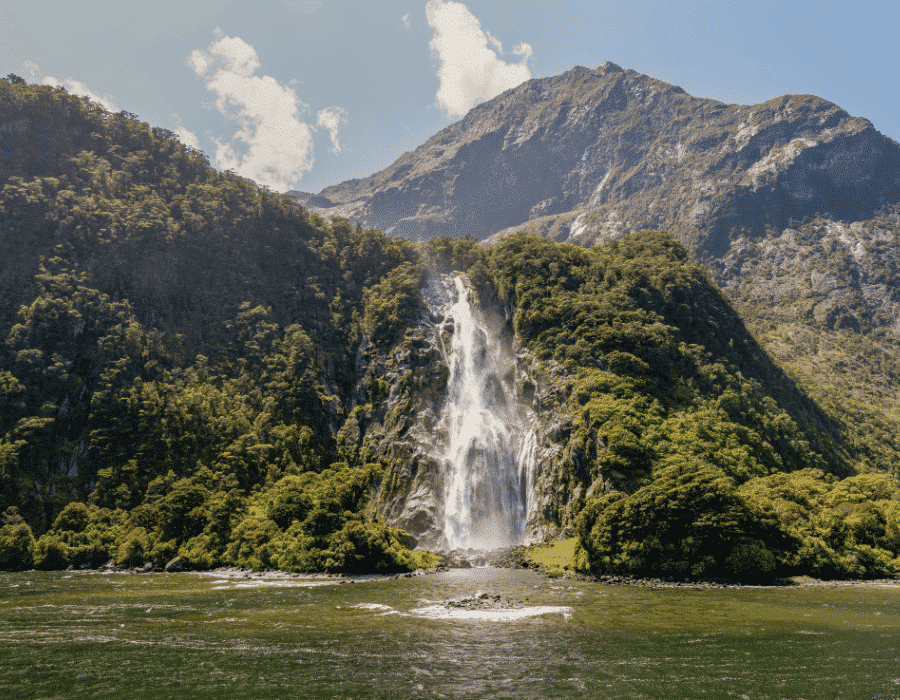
pixel 174 566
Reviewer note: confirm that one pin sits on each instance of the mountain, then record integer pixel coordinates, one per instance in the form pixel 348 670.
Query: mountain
pixel 589 154
pixel 792 205
pixel 194 368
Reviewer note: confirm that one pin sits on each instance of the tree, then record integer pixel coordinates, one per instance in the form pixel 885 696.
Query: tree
pixel 16 542
pixel 690 521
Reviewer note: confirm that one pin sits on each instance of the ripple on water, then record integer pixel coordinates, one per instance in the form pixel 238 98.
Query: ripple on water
pixel 372 606
pixel 382 609
pixel 234 585
pixel 233 580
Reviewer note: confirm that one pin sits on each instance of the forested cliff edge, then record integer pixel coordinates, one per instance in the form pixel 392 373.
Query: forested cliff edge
pixel 193 366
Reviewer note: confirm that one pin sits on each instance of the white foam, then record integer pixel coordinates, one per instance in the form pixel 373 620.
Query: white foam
pixel 440 612
pixel 486 485
pixel 224 619
pixel 372 606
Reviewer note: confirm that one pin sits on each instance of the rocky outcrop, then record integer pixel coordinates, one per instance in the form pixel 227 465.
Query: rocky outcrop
pixel 591 154
pixel 309 200
pixel 398 427
pixel 829 274
pixel 396 420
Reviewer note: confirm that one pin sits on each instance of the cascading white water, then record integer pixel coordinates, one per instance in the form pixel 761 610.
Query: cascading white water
pixel 489 458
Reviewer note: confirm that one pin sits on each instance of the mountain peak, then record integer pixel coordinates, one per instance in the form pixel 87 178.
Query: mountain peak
pixel 609 67
pixel 588 155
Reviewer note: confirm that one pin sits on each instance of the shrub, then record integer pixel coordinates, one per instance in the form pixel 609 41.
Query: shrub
pixel 690 521
pixel 16 547
pixel 135 548
pixel 163 552
pixel 74 517
pixel 93 553
pixel 197 553
pixel 51 553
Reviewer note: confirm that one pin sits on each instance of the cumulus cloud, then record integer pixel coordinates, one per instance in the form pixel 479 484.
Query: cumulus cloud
pixel 523 49
pixel 405 20
pixel 76 87
pixel 331 118
pixel 271 146
pixel 470 71
pixel 188 138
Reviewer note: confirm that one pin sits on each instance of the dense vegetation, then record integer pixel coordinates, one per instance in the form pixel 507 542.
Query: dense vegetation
pixel 687 424
pixel 178 360
pixel 177 348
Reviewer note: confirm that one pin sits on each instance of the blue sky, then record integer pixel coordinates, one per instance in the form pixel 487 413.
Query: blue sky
pixel 305 94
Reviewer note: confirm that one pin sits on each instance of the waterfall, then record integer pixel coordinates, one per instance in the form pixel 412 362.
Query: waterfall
pixel 488 454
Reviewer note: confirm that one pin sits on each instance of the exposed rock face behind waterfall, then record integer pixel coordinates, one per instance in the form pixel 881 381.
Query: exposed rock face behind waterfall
pixel 463 429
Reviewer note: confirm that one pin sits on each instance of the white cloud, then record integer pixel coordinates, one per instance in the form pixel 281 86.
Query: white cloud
pixel 272 146
pixel 470 71
pixel 188 138
pixel 198 61
pixel 331 118
pixel 405 20
pixel 523 49
pixel 76 87
pixel 495 42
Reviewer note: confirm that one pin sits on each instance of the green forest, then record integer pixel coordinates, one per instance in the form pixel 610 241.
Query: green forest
pixel 178 358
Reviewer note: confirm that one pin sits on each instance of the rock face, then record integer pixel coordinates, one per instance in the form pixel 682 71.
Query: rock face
pixel 394 420
pixel 590 154
pixel 408 430
pixel 837 275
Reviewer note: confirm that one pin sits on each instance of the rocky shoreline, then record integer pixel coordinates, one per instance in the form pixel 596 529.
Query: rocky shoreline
pixel 516 557
pixel 700 583
pixel 238 572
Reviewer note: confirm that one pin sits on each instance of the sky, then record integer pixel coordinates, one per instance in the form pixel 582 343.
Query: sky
pixel 302 94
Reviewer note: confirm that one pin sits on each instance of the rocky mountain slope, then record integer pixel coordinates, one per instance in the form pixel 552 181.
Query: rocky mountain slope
pixel 589 154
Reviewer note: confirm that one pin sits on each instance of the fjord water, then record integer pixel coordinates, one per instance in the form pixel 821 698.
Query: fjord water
pixel 489 457
pixel 88 634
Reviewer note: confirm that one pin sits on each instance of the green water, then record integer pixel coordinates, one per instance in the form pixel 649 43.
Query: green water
pixel 72 635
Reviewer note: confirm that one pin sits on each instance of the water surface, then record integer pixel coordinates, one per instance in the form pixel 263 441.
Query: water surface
pixel 88 634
